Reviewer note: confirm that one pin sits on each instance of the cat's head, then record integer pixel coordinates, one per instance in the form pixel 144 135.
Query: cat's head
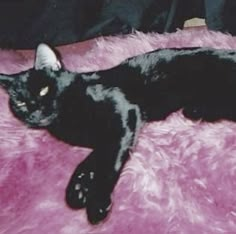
pixel 34 93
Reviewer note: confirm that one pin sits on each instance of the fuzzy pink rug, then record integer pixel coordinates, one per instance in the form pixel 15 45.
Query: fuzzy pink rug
pixel 181 177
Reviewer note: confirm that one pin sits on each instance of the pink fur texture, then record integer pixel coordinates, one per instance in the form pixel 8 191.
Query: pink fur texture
pixel 181 177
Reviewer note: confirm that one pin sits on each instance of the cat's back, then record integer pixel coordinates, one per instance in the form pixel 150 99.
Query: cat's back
pixel 176 61
pixel 173 77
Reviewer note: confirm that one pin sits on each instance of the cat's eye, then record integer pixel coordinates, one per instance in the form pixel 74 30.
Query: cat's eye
pixel 20 104
pixel 44 91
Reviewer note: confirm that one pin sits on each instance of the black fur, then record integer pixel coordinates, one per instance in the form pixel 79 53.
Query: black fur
pixel 24 24
pixel 104 110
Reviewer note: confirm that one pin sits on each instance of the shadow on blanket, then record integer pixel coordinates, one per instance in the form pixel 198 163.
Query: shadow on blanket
pixel 180 179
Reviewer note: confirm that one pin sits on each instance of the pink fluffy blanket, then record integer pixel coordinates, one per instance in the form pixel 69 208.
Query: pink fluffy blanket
pixel 181 177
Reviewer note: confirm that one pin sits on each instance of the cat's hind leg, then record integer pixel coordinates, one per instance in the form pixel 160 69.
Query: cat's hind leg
pixel 209 113
pixel 200 112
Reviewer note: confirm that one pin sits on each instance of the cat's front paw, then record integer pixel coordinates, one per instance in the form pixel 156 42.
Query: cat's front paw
pixel 208 113
pixel 193 112
pixel 98 209
pixel 79 185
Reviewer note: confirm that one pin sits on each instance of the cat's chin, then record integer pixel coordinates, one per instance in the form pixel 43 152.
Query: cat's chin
pixel 43 123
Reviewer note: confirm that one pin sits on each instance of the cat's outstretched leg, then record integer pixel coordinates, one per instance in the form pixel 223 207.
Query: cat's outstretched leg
pixel 94 179
pixel 106 175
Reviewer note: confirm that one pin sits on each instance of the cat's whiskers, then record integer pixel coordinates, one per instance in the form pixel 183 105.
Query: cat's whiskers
pixel 20 104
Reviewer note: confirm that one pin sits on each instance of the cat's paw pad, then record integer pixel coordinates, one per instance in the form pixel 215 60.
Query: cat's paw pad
pixel 97 210
pixel 79 186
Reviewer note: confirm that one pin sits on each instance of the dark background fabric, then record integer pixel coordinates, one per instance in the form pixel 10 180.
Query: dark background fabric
pixel 26 23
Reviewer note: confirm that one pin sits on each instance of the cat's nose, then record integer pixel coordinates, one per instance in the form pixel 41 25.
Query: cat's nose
pixel 32 106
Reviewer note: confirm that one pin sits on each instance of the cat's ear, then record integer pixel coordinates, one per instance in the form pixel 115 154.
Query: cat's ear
pixel 6 80
pixel 46 58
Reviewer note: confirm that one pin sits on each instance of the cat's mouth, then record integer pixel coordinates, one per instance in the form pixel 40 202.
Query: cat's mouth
pixel 36 119
pixel 42 122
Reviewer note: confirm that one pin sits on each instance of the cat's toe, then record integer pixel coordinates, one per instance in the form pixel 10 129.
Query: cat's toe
pixel 79 185
pixel 76 192
pixel 97 210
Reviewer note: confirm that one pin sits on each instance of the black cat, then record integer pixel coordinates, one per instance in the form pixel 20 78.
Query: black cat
pixel 104 110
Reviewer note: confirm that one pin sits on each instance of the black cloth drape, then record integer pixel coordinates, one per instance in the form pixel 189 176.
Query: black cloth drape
pixel 26 23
